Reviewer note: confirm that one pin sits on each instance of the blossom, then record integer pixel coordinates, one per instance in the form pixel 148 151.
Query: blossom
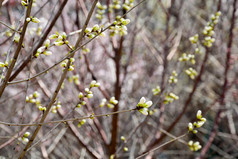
pixel 143 106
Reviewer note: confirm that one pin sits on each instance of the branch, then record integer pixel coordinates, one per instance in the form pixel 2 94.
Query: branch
pixel 9 27
pixel 166 143
pixel 66 120
pixel 188 101
pixel 40 43
pixel 13 62
pixel 225 85
pixel 59 84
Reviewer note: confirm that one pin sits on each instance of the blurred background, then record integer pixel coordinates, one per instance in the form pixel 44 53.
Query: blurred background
pixel 127 67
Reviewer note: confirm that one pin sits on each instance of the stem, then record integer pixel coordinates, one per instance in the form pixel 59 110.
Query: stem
pixel 24 64
pixel 67 120
pixel 59 84
pixel 9 27
pixel 188 101
pixel 166 143
pixel 225 86
pixel 40 43
pixel 13 62
pixel 117 93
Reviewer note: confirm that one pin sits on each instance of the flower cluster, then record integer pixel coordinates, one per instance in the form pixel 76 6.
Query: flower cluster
pixel 197 124
pixel 194 39
pixel 92 32
pixel 4 64
pixel 156 90
pixel 25 3
pixel 103 102
pixel 85 50
pixel 34 98
pixel 24 138
pixel 173 77
pixel 39 30
pixel 128 5
pixel 17 38
pixel 195 146
pixel 81 96
pixel 112 102
pixel 88 93
pixel 55 107
pixel 100 11
pixel 33 19
pixel 191 72
pixel 115 5
pixel 119 26
pixel 64 64
pixel 124 140
pixel 94 84
pixel 208 31
pixel 187 57
pixel 74 78
pixel 169 98
pixel 82 122
pixel 143 106
pixel 44 49
pixel 61 39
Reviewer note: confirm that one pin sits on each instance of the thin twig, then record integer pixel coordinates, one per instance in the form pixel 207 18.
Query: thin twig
pixel 59 84
pixel 57 63
pixel 13 61
pixel 39 44
pixel 166 143
pixel 225 85
pixel 188 101
pixel 66 120
pixel 10 27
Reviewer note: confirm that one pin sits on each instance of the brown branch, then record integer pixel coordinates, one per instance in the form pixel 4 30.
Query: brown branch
pixel 0 5
pixel 71 126
pixel 105 94
pixel 40 43
pixel 166 143
pixel 59 84
pixel 188 101
pixel 117 94
pixel 225 86
pixel 102 90
pixel 74 130
pixel 13 62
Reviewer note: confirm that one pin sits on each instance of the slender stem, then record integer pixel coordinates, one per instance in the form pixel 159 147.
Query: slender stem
pixel 225 85
pixel 28 59
pixel 117 93
pixel 188 101
pixel 59 84
pixel 9 27
pixel 166 143
pixel 0 5
pixel 41 41
pixel 13 61
pixel 57 63
pixel 67 120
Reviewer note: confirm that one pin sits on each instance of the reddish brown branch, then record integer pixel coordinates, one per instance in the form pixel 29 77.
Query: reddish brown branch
pixel 225 85
pixel 40 43
pixel 188 101
pixel 17 52
pixel 117 93
pixel 74 130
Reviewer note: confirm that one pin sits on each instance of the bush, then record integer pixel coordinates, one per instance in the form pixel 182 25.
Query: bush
pixel 118 79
